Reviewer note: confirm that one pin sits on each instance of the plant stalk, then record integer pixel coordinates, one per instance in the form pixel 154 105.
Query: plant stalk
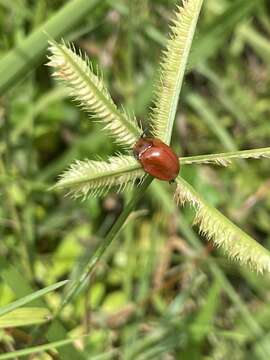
pixel 117 226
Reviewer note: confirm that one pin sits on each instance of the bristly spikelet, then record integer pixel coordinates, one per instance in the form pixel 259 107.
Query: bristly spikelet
pixel 215 226
pixel 89 90
pixel 173 68
pixel 92 177
pixel 225 159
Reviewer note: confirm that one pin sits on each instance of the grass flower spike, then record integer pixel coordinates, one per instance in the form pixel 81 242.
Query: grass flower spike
pixel 96 177
pixel 90 92
pixel 215 226
pixel 173 68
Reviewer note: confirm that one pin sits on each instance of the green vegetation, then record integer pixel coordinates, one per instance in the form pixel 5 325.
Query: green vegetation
pixel 160 290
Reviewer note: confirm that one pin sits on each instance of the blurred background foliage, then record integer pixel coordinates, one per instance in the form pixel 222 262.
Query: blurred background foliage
pixel 161 292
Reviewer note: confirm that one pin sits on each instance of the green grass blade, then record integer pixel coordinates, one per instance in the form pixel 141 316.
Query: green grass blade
pixel 207 115
pixel 37 349
pixel 25 317
pixel 258 42
pixel 29 298
pixel 23 57
pixel 220 29
pixel 205 319
pixel 221 90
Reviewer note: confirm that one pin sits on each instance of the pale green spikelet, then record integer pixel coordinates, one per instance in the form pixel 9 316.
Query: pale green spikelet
pixel 89 90
pixel 225 159
pixel 218 228
pixel 173 68
pixel 96 177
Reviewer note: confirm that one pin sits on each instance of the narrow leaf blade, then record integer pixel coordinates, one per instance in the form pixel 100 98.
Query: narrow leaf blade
pixel 37 349
pixel 25 317
pixel 29 298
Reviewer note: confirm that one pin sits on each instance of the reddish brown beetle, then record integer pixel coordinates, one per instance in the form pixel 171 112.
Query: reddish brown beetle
pixel 157 158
